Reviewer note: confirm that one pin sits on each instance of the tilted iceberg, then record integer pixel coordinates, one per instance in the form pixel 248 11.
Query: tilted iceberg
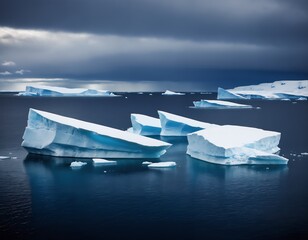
pixel 167 92
pixel 55 135
pixel 219 104
pixel 61 91
pixel 235 145
pixel 175 125
pixel 145 125
pixel 275 90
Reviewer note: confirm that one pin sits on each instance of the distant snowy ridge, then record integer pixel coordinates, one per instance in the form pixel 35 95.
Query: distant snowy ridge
pixel 62 91
pixel 235 145
pixel 219 104
pixel 275 90
pixel 55 135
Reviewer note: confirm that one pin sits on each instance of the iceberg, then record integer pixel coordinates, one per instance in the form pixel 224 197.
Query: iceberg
pixel 4 157
pixel 146 163
pixel 167 92
pixel 175 125
pixel 103 162
pixel 77 164
pixel 55 135
pixel 162 165
pixel 276 90
pixel 144 125
pixel 235 145
pixel 61 91
pixel 218 104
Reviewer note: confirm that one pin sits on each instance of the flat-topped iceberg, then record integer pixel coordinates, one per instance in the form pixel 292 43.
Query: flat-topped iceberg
pixel 55 135
pixel 168 92
pixel 162 165
pixel 103 162
pixel 175 125
pixel 62 91
pixel 275 90
pixel 219 104
pixel 145 125
pixel 235 145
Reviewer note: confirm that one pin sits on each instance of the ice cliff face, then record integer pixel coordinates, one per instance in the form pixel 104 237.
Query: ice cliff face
pixel 235 145
pixel 275 90
pixel 175 125
pixel 145 125
pixel 55 135
pixel 61 91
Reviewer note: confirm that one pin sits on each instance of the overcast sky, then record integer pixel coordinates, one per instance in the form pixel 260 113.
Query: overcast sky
pixel 152 44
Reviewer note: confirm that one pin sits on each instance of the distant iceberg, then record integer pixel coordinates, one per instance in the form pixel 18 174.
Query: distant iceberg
pixel 77 164
pixel 162 165
pixel 275 90
pixel 167 92
pixel 219 104
pixel 55 135
pixel 103 162
pixel 144 125
pixel 235 145
pixel 175 125
pixel 61 91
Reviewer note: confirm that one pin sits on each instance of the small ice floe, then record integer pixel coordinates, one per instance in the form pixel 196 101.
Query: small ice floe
pixel 77 164
pixel 150 94
pixel 146 163
pixel 302 99
pixel 13 157
pixel 304 153
pixel 103 162
pixel 126 97
pixel 162 165
pixel 4 157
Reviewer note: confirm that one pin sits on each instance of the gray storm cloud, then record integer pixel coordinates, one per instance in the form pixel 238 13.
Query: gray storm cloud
pixel 153 40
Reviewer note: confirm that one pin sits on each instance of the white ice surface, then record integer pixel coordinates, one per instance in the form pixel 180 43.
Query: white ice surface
pixel 162 165
pixel 276 90
pixel 175 125
pixel 235 145
pixel 168 92
pixel 4 157
pixel 144 125
pixel 219 104
pixel 55 135
pixel 77 164
pixel 62 91
pixel 101 162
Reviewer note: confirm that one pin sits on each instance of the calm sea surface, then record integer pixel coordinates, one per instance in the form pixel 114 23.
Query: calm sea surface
pixel 43 198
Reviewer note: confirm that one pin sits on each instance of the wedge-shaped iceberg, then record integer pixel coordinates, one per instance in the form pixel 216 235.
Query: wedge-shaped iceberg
pixel 168 92
pixel 235 145
pixel 219 104
pixel 145 125
pixel 175 125
pixel 55 135
pixel 276 90
pixel 61 91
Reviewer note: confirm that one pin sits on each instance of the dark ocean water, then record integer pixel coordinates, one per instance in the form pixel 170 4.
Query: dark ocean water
pixel 43 198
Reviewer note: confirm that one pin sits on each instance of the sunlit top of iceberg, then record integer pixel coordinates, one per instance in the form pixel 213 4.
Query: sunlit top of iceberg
pixel 168 92
pixel 219 104
pixel 175 125
pixel 275 90
pixel 234 145
pixel 62 91
pixel 55 135
pixel 145 125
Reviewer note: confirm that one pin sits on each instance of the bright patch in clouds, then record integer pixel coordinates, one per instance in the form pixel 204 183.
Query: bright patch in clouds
pixel 8 63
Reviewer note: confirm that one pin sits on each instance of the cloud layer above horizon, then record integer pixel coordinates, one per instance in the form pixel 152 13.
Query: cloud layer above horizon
pixel 145 40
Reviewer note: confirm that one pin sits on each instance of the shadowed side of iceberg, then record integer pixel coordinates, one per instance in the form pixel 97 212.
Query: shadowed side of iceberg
pixel 55 135
pixel 175 125
pixel 145 125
